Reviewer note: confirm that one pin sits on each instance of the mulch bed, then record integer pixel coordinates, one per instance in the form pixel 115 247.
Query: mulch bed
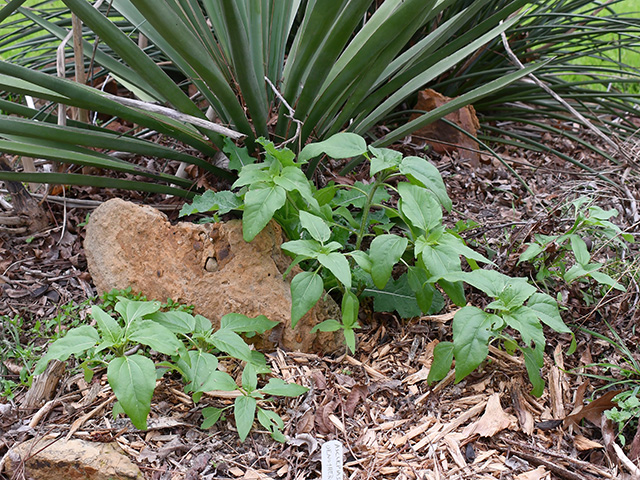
pixel 377 403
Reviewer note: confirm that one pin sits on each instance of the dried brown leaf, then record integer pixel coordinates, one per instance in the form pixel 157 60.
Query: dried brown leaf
pixel 357 395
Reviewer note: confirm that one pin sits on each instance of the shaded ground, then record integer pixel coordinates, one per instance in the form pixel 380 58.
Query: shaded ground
pixel 377 403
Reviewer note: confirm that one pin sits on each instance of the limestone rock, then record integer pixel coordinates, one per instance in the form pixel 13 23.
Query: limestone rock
pixel 49 458
pixel 209 266
pixel 443 137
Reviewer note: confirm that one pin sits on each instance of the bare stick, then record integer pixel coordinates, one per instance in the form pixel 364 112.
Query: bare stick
pixel 290 116
pixel 516 61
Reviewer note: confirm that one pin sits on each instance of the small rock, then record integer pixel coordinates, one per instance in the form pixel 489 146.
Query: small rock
pixel 209 266
pixel 48 458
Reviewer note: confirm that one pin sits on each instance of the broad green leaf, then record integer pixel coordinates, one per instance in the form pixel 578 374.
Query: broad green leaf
pixel 426 174
pixel 210 415
pixel 108 326
pixel 327 326
pixel 578 271
pixel 472 329
pixel 249 378
pixel 238 157
pixel 546 308
pixel 337 264
pixel 279 387
pixel 525 321
pixel 303 248
pixel 156 336
pixel 419 206
pixel 259 207
pixel 340 145
pixel 384 158
pixel 316 226
pixel 242 324
pixel 203 324
pixel 441 364
pixel 605 279
pixel 350 309
pixel 356 195
pixel 362 259
pixel 175 321
pixel 533 361
pixel 131 310
pixel 222 202
pixel 255 175
pixel 306 290
pixel 515 290
pixel 350 338
pixel 424 291
pixel 284 156
pixel 231 343
pixel 244 410
pixel 199 372
pixel 133 380
pixel 273 423
pixel 292 178
pixel 217 380
pixel 457 245
pixel 398 296
pixel 385 251
pixel 580 250
pixel 532 251
pixel 77 340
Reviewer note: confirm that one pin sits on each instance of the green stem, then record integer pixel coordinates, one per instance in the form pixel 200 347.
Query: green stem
pixel 365 211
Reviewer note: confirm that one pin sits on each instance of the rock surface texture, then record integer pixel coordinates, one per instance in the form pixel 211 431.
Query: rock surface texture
pixel 49 458
pixel 209 266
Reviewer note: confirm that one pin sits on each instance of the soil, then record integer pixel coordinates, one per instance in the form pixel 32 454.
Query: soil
pixel 377 403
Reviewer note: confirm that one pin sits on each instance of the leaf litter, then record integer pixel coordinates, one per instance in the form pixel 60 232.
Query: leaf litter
pixel 377 403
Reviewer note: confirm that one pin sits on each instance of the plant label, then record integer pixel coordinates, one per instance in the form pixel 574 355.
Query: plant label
pixel 332 460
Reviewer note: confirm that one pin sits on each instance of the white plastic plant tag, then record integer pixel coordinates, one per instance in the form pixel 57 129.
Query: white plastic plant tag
pixel 332 460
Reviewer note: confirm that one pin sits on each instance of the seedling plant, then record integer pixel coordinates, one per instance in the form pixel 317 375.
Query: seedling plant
pixel 354 241
pixel 124 342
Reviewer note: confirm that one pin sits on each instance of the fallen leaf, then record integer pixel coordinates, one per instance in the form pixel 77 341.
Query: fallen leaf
pixel 494 420
pixel 582 443
pixel 537 474
pixel 357 395
pixel 592 411
pixel 306 422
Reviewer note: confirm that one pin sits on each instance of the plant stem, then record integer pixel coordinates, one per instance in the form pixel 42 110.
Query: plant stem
pixel 365 210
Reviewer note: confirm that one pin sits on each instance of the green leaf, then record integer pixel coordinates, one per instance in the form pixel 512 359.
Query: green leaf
pixel 303 248
pixel 210 415
pixel 458 246
pixel 133 380
pixel 524 320
pixel 292 178
pixel 260 205
pixel 222 202
pixel 340 145
pixel 203 374
pixel 419 206
pixel 327 326
pixel 427 175
pixel 306 290
pixel 244 410
pixel 578 271
pixel 77 340
pixel 384 158
pixel 273 423
pixel 532 251
pixel 203 325
pixel 175 321
pixel 156 336
pixel 546 309
pixel 428 298
pixel 605 279
pixel 533 361
pixel 249 378
pixel 350 339
pixel 279 387
pixel 514 290
pixel 580 250
pixel 337 264
pixel 362 259
pixel 131 310
pixel 385 251
pixel 350 309
pixel 442 360
pixel 396 296
pixel 108 326
pixel 238 157
pixel 242 324
pixel 316 226
pixel 231 343
pixel 472 329
pixel 357 195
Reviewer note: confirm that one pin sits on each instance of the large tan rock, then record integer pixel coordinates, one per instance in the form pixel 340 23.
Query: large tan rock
pixel 51 458
pixel 209 266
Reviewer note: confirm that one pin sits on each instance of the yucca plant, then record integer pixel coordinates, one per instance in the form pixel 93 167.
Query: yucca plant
pixel 287 70
pixel 291 71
